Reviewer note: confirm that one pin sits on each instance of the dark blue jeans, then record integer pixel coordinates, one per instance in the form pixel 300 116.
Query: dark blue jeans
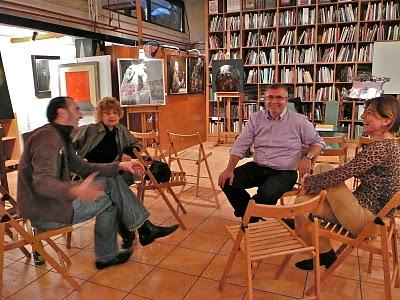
pixel 272 184
pixel 117 203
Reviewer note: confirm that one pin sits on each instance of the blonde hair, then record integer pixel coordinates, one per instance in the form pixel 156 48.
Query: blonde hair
pixel 107 103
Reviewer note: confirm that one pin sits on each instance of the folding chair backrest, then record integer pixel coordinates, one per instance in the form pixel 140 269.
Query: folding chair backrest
pixel 150 141
pixel 181 142
pixel 393 203
pixel 336 146
pixel 283 211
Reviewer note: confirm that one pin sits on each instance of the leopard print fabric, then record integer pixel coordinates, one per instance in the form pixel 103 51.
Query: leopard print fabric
pixel 378 168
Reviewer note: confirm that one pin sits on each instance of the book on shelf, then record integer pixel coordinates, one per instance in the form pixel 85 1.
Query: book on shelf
pixel 213 7
pixel 232 5
pixel 324 127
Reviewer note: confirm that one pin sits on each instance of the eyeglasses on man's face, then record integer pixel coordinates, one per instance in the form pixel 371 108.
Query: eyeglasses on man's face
pixel 277 98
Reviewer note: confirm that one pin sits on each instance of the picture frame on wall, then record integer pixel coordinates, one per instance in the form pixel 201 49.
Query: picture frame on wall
pixel 80 82
pixel 177 74
pixel 227 75
pixel 41 75
pixel 249 4
pixel 212 7
pixel 195 75
pixel 303 2
pixel 141 82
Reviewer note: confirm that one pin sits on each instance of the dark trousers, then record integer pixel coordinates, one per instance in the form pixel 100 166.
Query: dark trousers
pixel 272 184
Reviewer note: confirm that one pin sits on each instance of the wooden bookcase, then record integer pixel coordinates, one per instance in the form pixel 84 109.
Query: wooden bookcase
pixel 315 49
pixel 10 142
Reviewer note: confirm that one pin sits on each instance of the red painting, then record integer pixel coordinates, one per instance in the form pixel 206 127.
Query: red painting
pixel 78 86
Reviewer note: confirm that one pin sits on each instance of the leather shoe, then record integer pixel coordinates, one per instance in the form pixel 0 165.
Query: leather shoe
pixel 325 259
pixel 148 232
pixel 127 241
pixel 119 259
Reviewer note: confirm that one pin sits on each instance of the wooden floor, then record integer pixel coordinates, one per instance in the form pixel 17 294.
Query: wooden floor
pixel 185 265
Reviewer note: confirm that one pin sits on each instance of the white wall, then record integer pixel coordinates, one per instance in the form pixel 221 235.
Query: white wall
pixel 18 69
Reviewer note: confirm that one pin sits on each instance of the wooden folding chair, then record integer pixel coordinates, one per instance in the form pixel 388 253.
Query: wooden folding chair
pixel 336 150
pixel 177 178
pixel 273 237
pixel 22 236
pixel 179 151
pixel 388 243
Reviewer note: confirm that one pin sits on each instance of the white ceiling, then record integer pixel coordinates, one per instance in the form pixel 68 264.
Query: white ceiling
pixel 13 31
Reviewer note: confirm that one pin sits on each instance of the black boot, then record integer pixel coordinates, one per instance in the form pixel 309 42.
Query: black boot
pixel 325 259
pixel 119 259
pixel 127 236
pixel 148 232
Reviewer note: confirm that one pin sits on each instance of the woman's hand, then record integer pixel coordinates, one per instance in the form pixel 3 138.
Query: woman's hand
pixel 303 191
pixel 133 166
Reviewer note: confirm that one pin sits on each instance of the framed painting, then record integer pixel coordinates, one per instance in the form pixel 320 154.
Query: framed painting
pixel 249 4
pixel 196 75
pixel 41 75
pixel 227 75
pixel 80 82
pixel 177 74
pixel 141 82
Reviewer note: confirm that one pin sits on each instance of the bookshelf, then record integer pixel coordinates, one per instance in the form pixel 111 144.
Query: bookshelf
pixel 315 47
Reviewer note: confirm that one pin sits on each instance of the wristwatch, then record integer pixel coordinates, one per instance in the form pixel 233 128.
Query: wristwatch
pixel 310 156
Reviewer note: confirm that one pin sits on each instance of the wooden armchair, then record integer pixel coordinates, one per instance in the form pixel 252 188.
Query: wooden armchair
pixel 150 142
pixel 387 246
pixel 272 237
pixel 183 148
pixel 22 236
pixel 336 150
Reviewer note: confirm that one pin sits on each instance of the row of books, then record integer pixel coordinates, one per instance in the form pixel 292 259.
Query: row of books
pixel 248 109
pixel 325 74
pixel 306 37
pixel 304 76
pixel 325 94
pixel 215 42
pixel 287 75
pixel 288 38
pixel 347 34
pixel 326 54
pixel 346 74
pixel 288 55
pixel 365 53
pixel 307 55
pixel 235 40
pixel 213 127
pixel 381 11
pixel 262 20
pixel 252 76
pixel 287 18
pixel 267 75
pixel 346 53
pixel 306 16
pixel 304 92
pixel 268 39
pixel 329 35
pixel 219 23
pixel 252 39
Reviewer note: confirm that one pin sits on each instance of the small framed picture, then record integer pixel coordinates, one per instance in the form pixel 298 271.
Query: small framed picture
pixel 41 75
pixel 303 2
pixel 249 4
pixel 212 7
pixel 286 2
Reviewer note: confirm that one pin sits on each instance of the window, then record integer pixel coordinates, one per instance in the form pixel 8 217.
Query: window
pixel 166 13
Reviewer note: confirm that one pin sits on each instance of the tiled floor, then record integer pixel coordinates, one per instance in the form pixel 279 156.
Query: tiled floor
pixel 185 265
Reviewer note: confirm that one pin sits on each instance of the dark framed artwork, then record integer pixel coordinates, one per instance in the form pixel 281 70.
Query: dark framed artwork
pixel 195 75
pixel 249 4
pixel 6 110
pixel 141 82
pixel 227 75
pixel 41 75
pixel 177 74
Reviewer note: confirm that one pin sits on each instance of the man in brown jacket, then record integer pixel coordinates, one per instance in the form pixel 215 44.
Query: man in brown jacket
pixel 49 199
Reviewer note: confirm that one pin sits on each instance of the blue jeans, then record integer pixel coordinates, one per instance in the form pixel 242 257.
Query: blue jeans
pixel 117 202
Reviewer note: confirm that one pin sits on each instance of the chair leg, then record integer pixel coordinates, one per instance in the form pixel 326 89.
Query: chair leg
pixel 182 225
pixel 2 230
pixel 211 181
pixel 395 259
pixel 231 259
pixel 385 262
pixel 39 248
pixel 370 261
pixel 283 265
pixel 198 174
pixel 69 240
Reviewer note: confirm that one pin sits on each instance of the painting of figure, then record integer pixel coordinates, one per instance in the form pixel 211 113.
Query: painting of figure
pixel 196 75
pixel 227 75
pixel 141 82
pixel 177 74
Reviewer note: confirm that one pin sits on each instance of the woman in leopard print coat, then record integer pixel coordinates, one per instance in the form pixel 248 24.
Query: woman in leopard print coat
pixel 377 167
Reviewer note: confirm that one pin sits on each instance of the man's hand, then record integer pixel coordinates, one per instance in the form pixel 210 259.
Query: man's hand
pixel 133 166
pixel 87 190
pixel 303 191
pixel 225 175
pixel 304 166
